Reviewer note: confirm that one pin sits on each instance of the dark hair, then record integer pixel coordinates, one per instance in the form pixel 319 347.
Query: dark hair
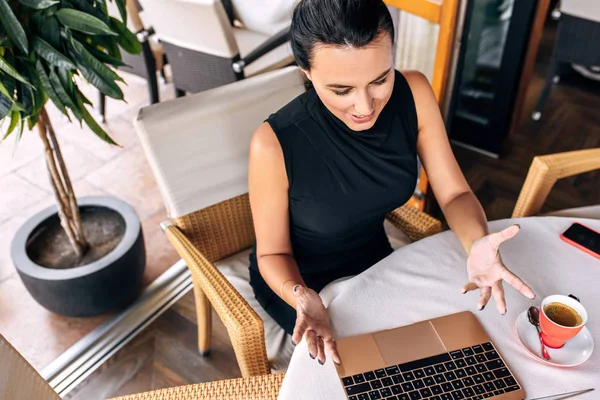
pixel 354 23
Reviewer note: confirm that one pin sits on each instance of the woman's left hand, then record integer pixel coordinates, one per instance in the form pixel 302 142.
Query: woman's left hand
pixel 487 271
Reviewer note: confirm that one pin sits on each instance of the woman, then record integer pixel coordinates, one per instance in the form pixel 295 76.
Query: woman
pixel 326 169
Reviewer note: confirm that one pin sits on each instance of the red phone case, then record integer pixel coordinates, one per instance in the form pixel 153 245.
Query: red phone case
pixel 580 247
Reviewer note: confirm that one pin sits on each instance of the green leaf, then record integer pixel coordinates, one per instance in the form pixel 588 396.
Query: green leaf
pixel 89 120
pixel 102 6
pixel 45 80
pixel 87 7
pixel 122 10
pixel 5 106
pixel 66 80
pixel 63 95
pixel 91 61
pixel 13 27
pixel 126 38
pixel 15 118
pixel 25 96
pixel 96 72
pixel 32 120
pixel 85 99
pixel 19 135
pixel 109 44
pixel 102 56
pixel 39 96
pixel 49 30
pixel 3 87
pixel 39 4
pixel 109 89
pixel 82 22
pixel 8 69
pixel 50 54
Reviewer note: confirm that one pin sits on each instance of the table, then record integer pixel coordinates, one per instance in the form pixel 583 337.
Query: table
pixel 423 280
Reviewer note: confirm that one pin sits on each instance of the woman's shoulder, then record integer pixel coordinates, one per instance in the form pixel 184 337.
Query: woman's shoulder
pixel 293 112
pixel 274 134
pixel 408 81
pixel 415 79
pixel 411 87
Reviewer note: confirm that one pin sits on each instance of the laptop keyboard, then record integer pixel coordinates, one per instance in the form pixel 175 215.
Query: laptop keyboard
pixel 475 372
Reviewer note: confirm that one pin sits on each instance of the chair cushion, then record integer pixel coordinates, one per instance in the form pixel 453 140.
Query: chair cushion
pixel 396 237
pixel 591 212
pixel 248 40
pixel 279 345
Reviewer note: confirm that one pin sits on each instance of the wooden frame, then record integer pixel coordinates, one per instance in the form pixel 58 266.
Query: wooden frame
pixel 545 171
pixel 535 37
pixel 444 14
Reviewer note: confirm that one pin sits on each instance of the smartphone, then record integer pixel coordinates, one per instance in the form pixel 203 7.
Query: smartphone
pixel 583 238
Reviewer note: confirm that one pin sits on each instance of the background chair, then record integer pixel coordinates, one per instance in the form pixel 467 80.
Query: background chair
pixel 543 174
pixel 443 14
pixel 577 42
pixel 20 381
pixel 149 61
pixel 197 147
pixel 205 50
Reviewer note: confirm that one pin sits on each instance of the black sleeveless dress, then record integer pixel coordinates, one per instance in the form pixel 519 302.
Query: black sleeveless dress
pixel 342 183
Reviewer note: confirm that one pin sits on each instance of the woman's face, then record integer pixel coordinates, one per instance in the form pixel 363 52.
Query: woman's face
pixel 354 84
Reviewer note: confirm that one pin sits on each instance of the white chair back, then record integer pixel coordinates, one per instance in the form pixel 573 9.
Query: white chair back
pixel 199 25
pixel 586 9
pixel 198 145
pixel 18 379
pixel 264 16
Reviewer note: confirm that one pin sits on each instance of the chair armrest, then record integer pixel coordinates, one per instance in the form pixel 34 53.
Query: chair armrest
pixel 415 223
pixel 264 387
pixel 545 171
pixel 270 44
pixel 244 326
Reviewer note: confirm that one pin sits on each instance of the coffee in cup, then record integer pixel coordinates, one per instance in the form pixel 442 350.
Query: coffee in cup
pixel 562 314
pixel 561 319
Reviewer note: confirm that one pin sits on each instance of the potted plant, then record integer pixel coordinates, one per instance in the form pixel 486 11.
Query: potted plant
pixel 75 259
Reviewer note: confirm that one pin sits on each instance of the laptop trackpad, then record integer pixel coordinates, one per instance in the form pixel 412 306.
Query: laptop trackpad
pixel 409 343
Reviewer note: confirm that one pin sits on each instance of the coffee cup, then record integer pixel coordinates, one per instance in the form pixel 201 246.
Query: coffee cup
pixel 561 319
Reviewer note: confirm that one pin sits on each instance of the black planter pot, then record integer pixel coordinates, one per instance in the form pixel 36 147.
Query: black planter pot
pixel 104 285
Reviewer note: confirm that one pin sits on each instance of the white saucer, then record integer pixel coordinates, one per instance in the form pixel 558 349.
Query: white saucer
pixel 576 351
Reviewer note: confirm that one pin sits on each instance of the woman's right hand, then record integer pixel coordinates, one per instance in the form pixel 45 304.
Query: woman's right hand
pixel 312 321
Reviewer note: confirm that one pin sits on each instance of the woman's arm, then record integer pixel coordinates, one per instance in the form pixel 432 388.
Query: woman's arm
pixel 268 186
pixel 462 210
pixel 268 189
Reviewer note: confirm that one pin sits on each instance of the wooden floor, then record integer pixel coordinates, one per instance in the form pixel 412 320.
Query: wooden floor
pixel 163 355
pixel 166 353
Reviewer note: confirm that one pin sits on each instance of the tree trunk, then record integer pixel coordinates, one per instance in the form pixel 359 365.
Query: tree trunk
pixel 68 210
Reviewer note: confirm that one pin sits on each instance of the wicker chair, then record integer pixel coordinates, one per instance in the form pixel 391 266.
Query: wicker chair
pixel 265 387
pixel 205 50
pixel 146 64
pixel 198 149
pixel 543 174
pixel 20 381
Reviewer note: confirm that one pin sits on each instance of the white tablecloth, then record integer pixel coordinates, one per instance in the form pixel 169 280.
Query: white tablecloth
pixel 423 280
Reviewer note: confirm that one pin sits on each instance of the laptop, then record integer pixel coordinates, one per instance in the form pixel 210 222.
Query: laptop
pixel 447 358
